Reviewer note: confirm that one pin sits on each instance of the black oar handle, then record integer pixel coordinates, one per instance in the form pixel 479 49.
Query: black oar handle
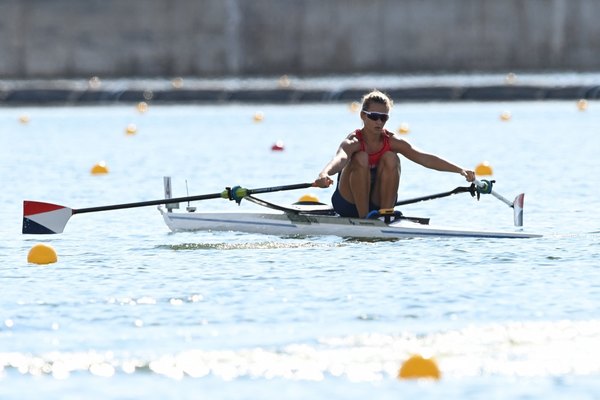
pixel 148 203
pixel 280 188
pixel 460 189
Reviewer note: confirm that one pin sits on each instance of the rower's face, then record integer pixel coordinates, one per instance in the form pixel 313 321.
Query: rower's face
pixel 375 117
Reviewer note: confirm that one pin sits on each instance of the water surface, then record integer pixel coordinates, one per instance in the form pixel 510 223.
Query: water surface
pixel 131 310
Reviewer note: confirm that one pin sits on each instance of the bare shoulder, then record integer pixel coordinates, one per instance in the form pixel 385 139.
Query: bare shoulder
pixel 352 137
pixel 351 141
pixel 398 144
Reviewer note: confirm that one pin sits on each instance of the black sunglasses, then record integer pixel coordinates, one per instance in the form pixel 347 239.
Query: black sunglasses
pixel 374 116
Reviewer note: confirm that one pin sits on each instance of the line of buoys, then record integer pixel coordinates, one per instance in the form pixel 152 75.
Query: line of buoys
pixel 418 367
pixel 42 254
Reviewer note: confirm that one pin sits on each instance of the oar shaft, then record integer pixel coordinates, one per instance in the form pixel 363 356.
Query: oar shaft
pixel 226 194
pixel 494 193
pixel 502 199
pixel 460 189
pixel 280 188
pixel 148 203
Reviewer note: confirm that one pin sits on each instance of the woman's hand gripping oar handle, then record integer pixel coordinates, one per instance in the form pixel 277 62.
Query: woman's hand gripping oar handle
pixel 486 187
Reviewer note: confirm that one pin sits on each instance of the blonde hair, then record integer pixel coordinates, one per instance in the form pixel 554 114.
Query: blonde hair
pixel 376 96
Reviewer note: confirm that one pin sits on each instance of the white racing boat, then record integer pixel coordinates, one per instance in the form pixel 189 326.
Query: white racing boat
pixel 312 219
pixel 305 224
pixel 319 219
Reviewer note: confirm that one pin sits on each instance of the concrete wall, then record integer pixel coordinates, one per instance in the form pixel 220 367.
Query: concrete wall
pixel 112 38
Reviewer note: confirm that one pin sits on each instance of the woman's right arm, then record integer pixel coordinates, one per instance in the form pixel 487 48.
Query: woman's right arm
pixel 337 163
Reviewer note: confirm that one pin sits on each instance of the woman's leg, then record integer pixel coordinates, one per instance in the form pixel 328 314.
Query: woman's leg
pixel 355 183
pixel 385 192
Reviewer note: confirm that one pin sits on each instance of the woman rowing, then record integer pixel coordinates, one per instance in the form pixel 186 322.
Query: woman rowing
pixel 368 165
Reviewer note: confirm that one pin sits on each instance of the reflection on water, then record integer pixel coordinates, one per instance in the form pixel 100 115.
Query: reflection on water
pixel 534 349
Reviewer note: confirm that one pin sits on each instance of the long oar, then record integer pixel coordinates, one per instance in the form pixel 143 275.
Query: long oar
pixel 47 218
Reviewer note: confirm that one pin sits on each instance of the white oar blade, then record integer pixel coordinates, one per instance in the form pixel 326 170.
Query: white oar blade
pixel 518 209
pixel 44 218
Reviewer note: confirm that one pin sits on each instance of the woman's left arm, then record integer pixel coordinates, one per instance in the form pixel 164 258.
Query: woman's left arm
pixel 429 160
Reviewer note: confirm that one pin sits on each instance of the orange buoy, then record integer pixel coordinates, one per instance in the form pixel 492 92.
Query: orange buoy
pixel 404 128
pixel 505 116
pixel 142 107
pixel 258 116
pixel 42 254
pixel 131 129
pixel 417 367
pixel 308 198
pixel 484 169
pixel 99 168
pixel 582 104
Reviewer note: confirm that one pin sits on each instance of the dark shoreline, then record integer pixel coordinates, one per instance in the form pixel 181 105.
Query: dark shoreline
pixel 296 90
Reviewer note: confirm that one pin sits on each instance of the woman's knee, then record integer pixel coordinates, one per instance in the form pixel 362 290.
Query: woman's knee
pixel 360 160
pixel 389 159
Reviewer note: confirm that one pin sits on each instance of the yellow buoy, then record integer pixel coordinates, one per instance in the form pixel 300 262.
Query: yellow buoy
pixel 308 198
pixel 582 105
pixel 258 116
pixel 404 128
pixel 505 116
pixel 99 168
pixel 131 129
pixel 417 367
pixel 24 119
pixel 483 169
pixel 142 107
pixel 354 106
pixel 42 254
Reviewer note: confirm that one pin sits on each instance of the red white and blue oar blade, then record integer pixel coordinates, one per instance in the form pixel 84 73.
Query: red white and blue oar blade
pixel 518 209
pixel 44 218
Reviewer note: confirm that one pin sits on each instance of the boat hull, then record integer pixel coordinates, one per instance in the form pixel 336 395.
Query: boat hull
pixel 283 224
